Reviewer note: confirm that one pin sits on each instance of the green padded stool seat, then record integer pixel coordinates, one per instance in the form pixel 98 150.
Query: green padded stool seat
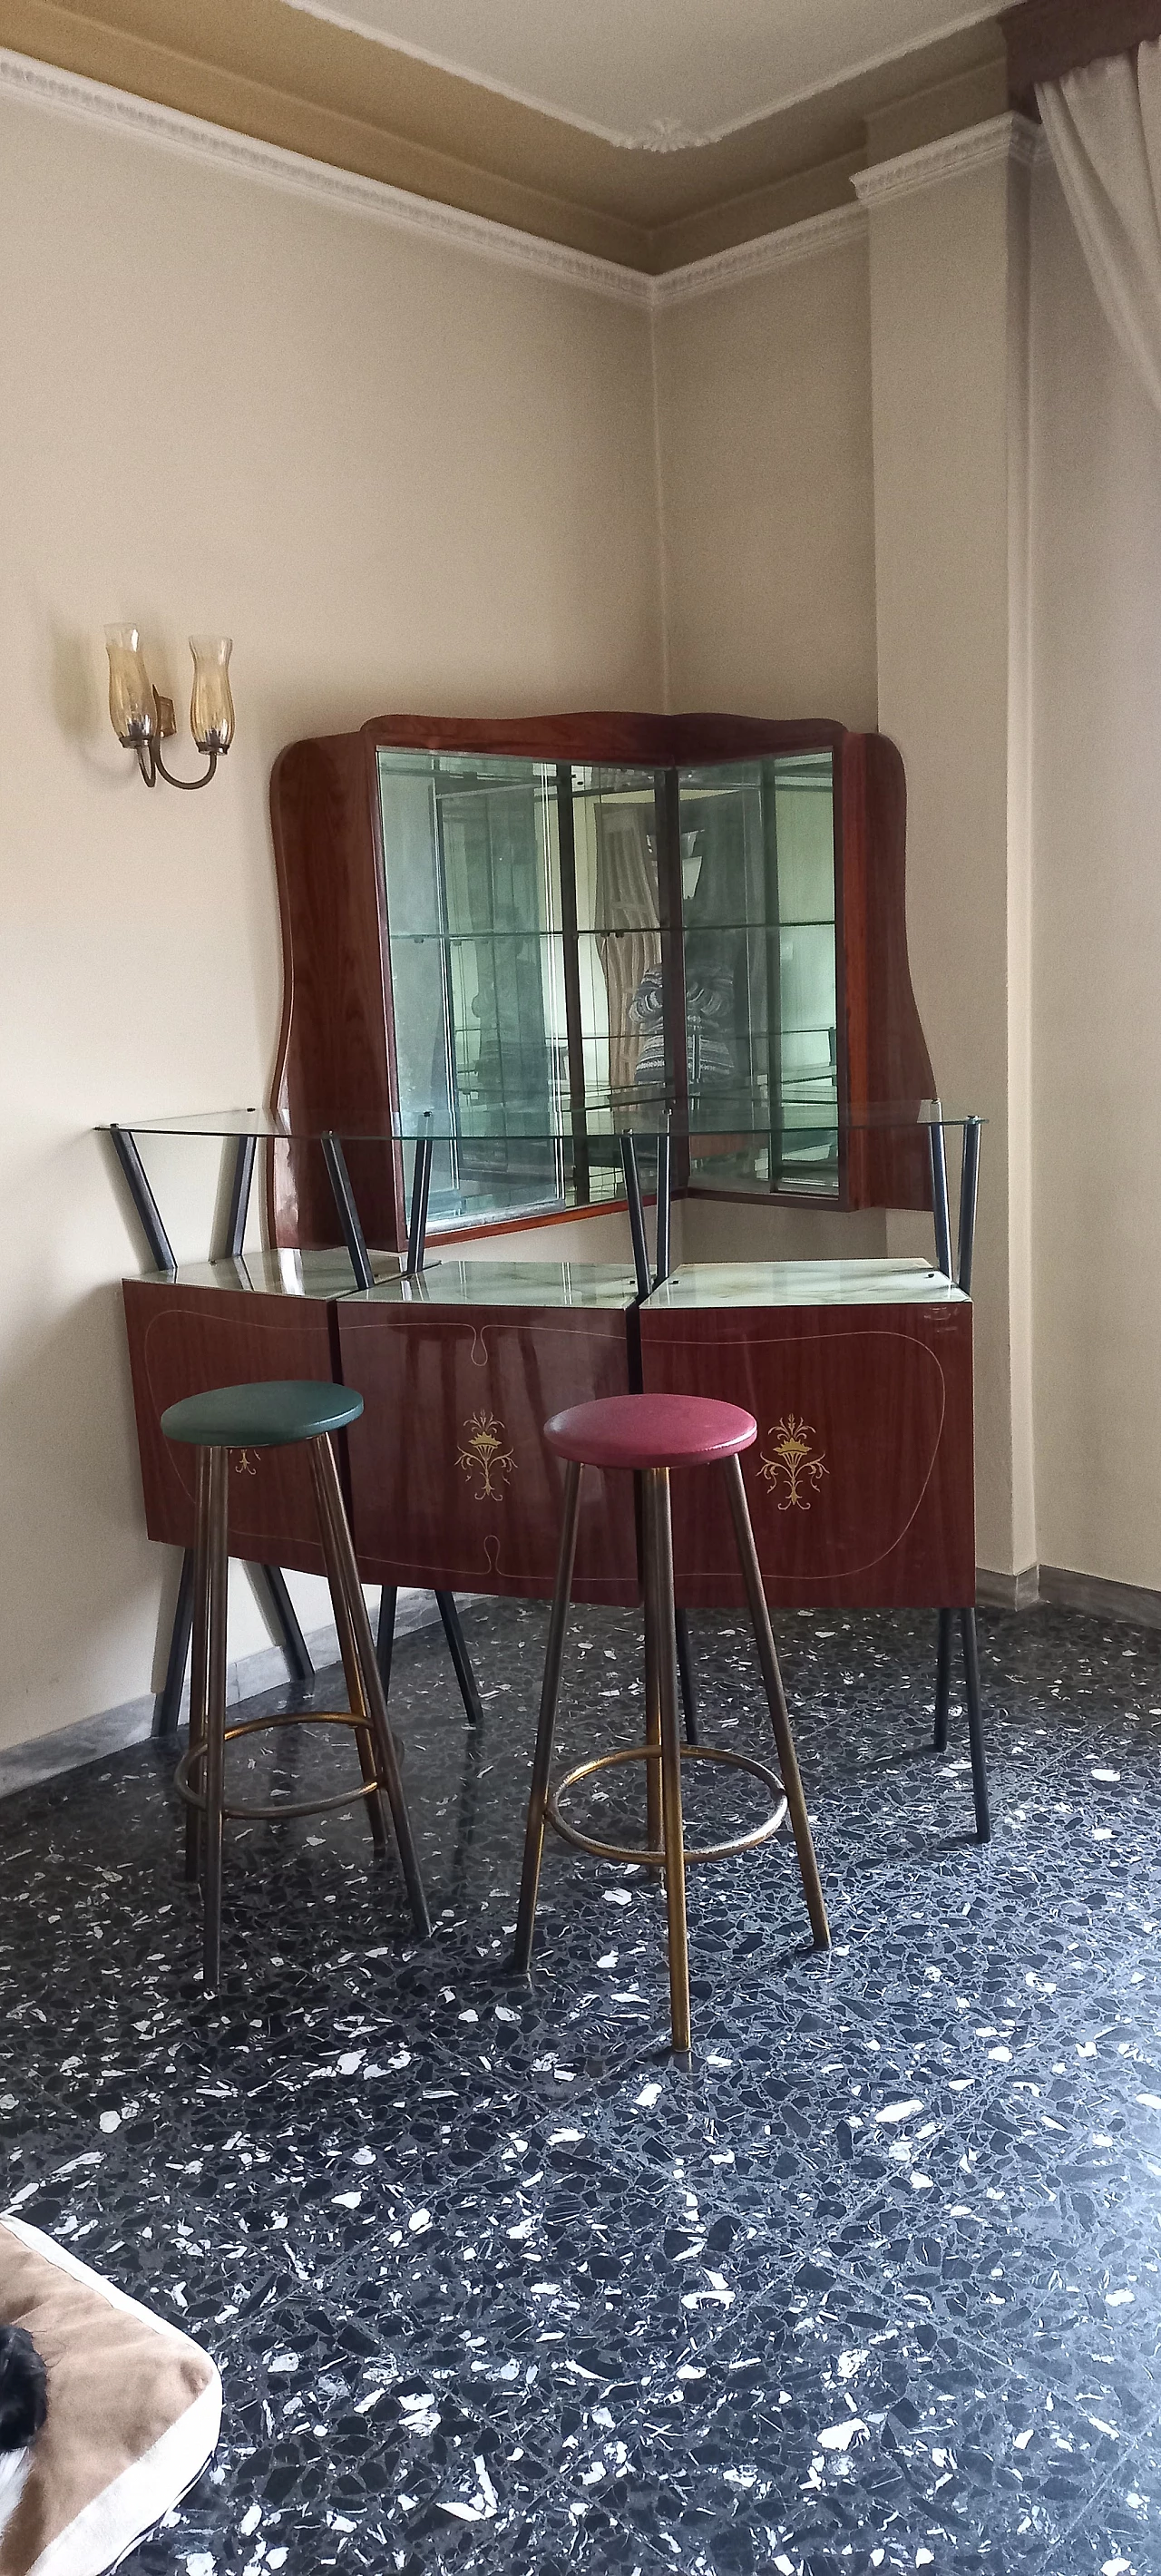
pixel 269 1416
pixel 273 1415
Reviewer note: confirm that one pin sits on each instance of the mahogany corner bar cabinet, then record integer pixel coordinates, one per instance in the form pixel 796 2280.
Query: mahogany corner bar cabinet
pixel 540 949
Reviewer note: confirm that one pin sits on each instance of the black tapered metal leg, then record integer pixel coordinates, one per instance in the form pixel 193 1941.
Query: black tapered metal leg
pixel 214 1713
pixel 942 1680
pixel 332 1514
pixel 445 1603
pixel 241 1182
pixel 385 1634
pixel 779 1713
pixel 167 1705
pixel 688 1682
pixel 290 1636
pixel 971 1666
pixel 348 1213
pixel 937 1146
pixel 420 1194
pixel 546 1724
pixel 636 1213
pixel 141 1192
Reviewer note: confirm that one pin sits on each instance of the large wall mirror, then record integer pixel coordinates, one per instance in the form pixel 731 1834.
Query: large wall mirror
pixel 537 934
pixel 530 980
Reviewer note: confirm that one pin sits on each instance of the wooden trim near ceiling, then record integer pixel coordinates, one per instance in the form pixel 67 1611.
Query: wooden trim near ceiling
pixel 1046 38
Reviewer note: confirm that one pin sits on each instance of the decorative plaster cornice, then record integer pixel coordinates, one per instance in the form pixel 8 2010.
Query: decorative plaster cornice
pixel 806 240
pixel 979 147
pixel 662 134
pixel 92 102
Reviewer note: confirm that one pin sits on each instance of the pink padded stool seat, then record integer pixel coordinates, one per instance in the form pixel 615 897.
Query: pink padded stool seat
pixel 643 1431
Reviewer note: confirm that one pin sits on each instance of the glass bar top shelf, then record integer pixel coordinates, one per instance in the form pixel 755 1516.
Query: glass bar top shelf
pixel 608 1152
pixel 473 1169
pixel 649 1113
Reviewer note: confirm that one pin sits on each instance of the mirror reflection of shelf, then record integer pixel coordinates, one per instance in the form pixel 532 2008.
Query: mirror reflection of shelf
pixel 532 961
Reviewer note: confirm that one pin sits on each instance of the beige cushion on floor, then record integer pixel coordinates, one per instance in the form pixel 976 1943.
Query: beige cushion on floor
pixel 133 2413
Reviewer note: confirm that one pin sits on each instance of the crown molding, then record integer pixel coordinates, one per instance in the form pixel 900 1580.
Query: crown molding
pixel 980 147
pixel 806 240
pixel 120 111
pixel 89 102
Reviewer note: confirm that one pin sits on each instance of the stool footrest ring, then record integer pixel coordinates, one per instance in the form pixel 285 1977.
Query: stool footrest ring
pixel 655 1859
pixel 283 1808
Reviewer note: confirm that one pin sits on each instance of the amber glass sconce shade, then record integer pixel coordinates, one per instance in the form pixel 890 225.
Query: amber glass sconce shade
pixel 141 719
pixel 211 708
pixel 132 704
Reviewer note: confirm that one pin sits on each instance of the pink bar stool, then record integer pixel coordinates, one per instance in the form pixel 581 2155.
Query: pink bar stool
pixel 648 1435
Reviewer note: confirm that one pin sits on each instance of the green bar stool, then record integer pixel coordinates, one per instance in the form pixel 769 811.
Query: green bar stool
pixel 273 1416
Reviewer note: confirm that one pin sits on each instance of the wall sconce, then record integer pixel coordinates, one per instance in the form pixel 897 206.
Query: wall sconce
pixel 142 720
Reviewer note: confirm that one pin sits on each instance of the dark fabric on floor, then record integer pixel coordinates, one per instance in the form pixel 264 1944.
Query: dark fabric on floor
pixel 492 2284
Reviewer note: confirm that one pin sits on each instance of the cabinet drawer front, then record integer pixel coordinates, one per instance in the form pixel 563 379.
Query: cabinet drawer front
pixel 183 1341
pixel 451 1482
pixel 860 1483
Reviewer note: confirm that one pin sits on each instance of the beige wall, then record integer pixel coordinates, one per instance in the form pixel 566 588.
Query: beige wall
pixel 949 325
pixel 764 434
pixel 764 409
pixel 1096 587
pixel 399 475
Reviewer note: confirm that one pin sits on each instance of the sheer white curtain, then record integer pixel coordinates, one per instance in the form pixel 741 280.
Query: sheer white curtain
pixel 1104 129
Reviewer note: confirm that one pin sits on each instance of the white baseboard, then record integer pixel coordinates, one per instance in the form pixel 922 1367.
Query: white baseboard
pixel 91 1738
pixel 1008 1591
pixel 1098 1595
pixel 1058 1587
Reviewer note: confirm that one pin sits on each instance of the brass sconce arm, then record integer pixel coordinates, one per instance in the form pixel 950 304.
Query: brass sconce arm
pixel 153 767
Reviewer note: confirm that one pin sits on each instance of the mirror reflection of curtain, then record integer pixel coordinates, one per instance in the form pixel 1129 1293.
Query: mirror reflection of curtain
pixel 628 933
pixel 491 880
pixel 721 1010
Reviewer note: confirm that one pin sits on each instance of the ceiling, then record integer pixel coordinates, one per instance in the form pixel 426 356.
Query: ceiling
pixel 746 115
pixel 654 75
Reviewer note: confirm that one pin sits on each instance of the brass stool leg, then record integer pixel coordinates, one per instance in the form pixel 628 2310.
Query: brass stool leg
pixel 349 1652
pixel 653 1798
pixel 332 1516
pixel 546 1725
pixel 217 1572
pixel 768 1658
pixel 199 1663
pixel 652 1695
pixel 659 1615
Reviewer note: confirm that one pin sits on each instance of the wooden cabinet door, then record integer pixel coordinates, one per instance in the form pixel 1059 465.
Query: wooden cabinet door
pixel 452 1485
pixel 860 1485
pixel 185 1340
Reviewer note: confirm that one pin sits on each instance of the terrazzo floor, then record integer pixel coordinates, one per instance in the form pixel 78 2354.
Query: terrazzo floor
pixel 495 2285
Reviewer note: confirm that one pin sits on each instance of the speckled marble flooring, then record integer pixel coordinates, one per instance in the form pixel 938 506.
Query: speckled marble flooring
pixel 494 2285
